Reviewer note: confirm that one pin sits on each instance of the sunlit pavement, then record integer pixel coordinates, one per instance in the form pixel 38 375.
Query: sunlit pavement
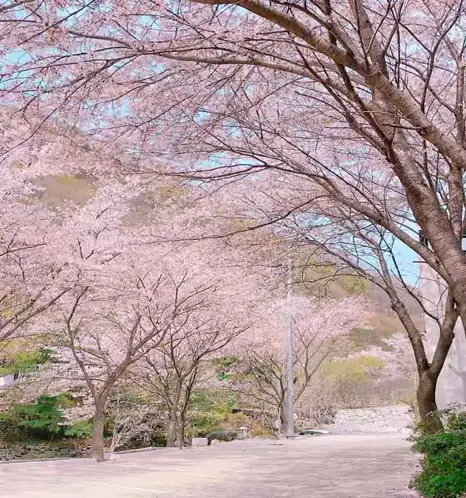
pixel 374 466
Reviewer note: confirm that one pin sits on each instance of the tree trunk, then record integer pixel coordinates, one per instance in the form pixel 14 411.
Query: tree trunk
pixel 180 431
pixel 173 416
pixel 426 402
pixel 172 428
pixel 282 419
pixel 97 445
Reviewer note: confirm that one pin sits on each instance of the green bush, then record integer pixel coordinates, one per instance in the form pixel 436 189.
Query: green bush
pixel 42 420
pixel 26 361
pixel 202 424
pixel 443 473
pixel 79 430
pixel 224 365
pixel 209 409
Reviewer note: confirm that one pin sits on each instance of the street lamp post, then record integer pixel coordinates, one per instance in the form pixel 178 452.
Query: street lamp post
pixel 289 367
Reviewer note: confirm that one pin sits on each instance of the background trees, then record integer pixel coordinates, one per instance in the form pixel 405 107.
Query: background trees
pixel 34 224
pixel 354 107
pixel 319 326
pixel 372 254
pixel 173 370
pixel 329 131
pixel 106 334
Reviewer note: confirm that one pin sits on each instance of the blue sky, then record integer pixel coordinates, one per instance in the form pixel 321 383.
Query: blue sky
pixel 406 257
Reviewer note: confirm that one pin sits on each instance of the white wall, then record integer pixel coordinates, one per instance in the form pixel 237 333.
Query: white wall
pixel 451 387
pixel 386 419
pixel 6 380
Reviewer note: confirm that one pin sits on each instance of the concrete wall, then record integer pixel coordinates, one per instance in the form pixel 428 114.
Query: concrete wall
pixel 451 387
pixel 386 419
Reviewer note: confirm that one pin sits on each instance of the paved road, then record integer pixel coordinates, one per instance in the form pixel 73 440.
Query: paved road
pixel 311 467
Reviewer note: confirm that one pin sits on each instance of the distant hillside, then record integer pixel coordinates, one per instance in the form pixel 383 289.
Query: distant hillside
pixel 320 281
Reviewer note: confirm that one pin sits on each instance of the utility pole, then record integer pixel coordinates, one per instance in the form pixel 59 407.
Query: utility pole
pixel 289 374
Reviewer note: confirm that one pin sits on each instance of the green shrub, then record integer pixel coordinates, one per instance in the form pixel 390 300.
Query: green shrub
pixel 26 361
pixel 209 409
pixel 42 420
pixel 10 429
pixel 443 473
pixel 224 365
pixel 79 430
pixel 202 424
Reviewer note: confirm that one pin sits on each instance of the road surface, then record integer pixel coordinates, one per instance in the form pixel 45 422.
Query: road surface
pixel 349 466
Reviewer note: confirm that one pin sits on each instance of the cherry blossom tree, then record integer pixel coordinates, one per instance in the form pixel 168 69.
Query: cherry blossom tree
pixel 175 368
pixel 344 243
pixel 136 297
pixel 358 106
pixel 31 231
pixel 30 276
pixel 399 362
pixel 105 337
pixel 384 83
pixel 320 327
pixel 128 296
pixel 29 281
pixel 381 375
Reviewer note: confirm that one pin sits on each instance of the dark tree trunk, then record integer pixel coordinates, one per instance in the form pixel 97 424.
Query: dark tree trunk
pixel 181 431
pixel 172 428
pixel 282 414
pixel 428 373
pixel 97 445
pixel 426 402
